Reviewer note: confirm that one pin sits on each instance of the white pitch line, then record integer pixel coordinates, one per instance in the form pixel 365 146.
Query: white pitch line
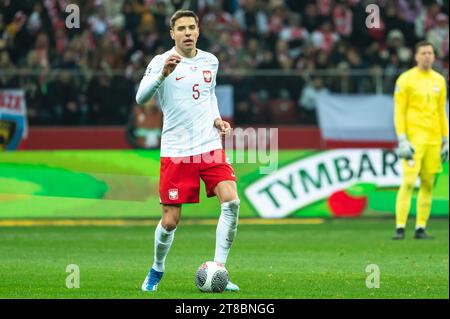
pixel 148 222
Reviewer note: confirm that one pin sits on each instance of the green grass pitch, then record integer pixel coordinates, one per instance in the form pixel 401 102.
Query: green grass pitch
pixel 326 260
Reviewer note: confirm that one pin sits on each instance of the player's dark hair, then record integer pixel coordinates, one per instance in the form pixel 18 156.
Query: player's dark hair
pixel 423 44
pixel 181 14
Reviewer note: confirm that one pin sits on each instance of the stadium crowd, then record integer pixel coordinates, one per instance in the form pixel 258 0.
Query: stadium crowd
pixel 89 75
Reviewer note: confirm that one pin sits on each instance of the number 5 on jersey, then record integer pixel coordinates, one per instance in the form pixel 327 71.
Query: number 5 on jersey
pixel 196 91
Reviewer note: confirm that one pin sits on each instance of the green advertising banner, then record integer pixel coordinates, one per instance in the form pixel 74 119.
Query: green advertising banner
pixel 124 184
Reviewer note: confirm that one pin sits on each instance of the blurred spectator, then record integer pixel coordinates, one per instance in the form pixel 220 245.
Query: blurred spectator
pixel 161 11
pixel 426 20
pixel 132 18
pixel 325 38
pixel 311 18
pixel 410 9
pixel 8 80
pixel 220 18
pixel 325 7
pixel 394 21
pixel 438 36
pixel 237 36
pixel 355 61
pixel 375 54
pixel 339 52
pixel 18 38
pixel 282 53
pixel 295 35
pixel 343 20
pixel 277 18
pixel 393 68
pixel 98 21
pixel 268 61
pixel 62 95
pixel 308 100
pixel 396 45
pixel 251 57
pixel 251 19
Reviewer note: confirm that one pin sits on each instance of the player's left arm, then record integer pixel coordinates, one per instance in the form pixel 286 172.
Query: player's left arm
pixel 223 126
pixel 443 122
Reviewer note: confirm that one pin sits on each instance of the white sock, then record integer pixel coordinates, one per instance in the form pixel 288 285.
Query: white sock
pixel 226 230
pixel 163 241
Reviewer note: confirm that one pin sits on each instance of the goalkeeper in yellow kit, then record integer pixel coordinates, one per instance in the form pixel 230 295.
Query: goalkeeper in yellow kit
pixel 422 130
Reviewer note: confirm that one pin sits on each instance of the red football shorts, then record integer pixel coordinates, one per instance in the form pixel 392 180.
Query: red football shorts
pixel 179 180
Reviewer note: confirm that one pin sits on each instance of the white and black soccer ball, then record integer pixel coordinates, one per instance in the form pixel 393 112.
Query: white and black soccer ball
pixel 211 277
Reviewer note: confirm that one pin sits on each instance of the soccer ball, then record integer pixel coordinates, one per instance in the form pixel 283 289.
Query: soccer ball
pixel 211 277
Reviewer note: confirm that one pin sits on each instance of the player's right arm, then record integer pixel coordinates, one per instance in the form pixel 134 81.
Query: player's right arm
pixel 156 73
pixel 401 103
pixel 405 149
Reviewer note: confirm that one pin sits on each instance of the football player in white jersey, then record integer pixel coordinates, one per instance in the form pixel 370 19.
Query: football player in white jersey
pixel 191 146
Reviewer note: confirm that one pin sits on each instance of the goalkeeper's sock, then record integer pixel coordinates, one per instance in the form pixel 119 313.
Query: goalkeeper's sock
pixel 226 230
pixel 163 242
pixel 403 204
pixel 424 200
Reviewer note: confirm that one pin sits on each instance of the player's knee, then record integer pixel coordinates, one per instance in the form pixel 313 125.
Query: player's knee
pixel 169 225
pixel 226 191
pixel 408 184
pixel 427 184
pixel 409 187
pixel 171 215
pixel 170 222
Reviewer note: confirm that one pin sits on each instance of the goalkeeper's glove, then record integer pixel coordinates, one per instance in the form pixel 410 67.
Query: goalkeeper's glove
pixel 405 149
pixel 444 150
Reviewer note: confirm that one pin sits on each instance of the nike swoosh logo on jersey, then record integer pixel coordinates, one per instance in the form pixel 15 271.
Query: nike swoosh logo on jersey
pixel 180 78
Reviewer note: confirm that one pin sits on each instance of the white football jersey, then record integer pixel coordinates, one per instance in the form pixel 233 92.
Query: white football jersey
pixel 188 102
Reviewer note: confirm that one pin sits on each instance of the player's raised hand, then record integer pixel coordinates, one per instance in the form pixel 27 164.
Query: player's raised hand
pixel 223 126
pixel 170 64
